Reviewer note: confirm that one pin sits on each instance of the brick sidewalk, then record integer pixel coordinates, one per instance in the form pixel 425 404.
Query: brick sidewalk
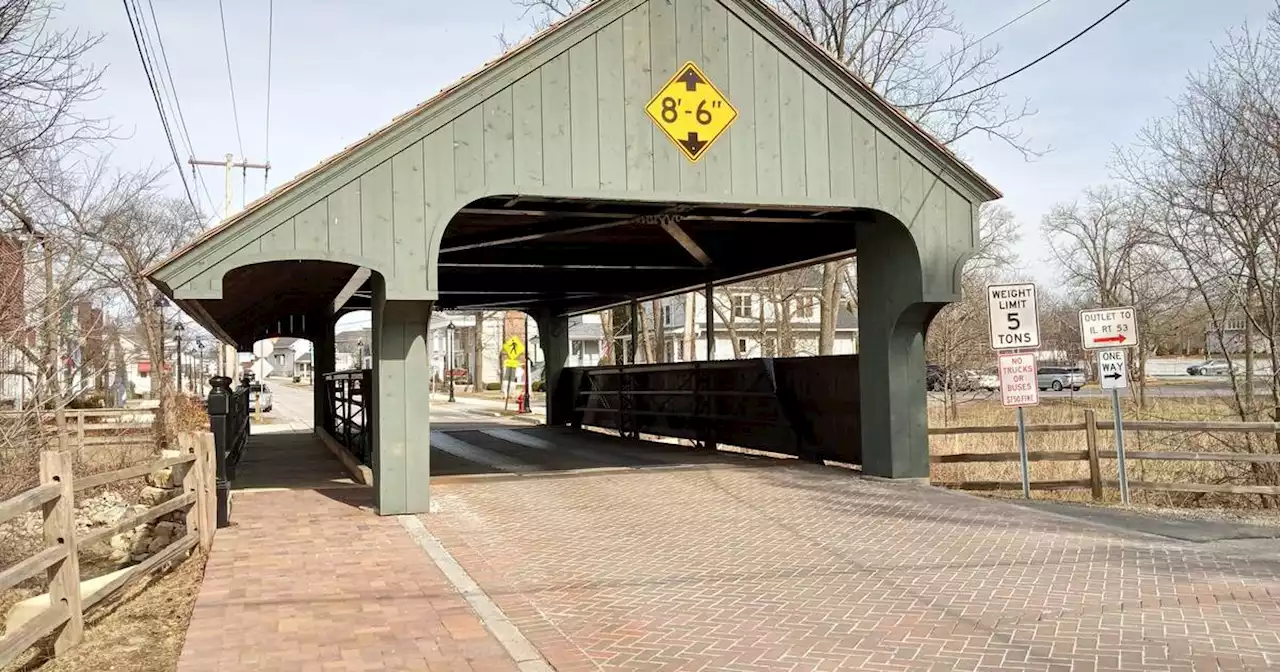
pixel 801 569
pixel 313 580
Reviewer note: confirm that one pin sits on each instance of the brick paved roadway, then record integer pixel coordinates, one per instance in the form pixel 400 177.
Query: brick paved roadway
pixel 311 579
pixel 725 568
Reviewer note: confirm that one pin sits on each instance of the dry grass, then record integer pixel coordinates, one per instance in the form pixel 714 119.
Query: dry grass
pixel 986 412
pixel 142 629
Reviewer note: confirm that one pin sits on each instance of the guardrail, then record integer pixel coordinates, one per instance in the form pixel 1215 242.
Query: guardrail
pixel 802 406
pixel 55 496
pixel 350 407
pixel 1093 455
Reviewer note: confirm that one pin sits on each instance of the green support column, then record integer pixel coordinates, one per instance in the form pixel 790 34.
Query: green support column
pixel 322 362
pixel 402 397
pixel 553 337
pixel 892 320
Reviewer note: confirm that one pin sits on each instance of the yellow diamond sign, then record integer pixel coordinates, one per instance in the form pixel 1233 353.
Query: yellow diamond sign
pixel 691 111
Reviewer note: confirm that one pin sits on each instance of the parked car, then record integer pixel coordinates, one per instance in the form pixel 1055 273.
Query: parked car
pixel 259 397
pixel 1212 367
pixel 936 378
pixel 988 380
pixel 1058 378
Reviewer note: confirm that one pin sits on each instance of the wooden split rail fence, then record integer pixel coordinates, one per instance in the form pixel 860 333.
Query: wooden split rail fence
pixel 1094 455
pixel 90 427
pixel 63 619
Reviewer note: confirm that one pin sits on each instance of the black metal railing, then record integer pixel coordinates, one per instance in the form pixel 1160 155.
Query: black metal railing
pixel 229 422
pixel 350 408
pixel 803 406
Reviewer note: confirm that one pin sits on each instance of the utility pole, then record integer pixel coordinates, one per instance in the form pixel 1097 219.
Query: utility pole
pixel 227 164
pixel 227 353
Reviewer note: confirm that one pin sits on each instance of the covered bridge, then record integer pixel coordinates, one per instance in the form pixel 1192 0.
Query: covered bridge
pixel 542 183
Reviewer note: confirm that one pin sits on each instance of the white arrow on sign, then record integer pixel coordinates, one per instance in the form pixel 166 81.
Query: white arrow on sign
pixel 1112 372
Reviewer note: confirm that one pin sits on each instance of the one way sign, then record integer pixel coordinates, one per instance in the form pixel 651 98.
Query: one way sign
pixel 1112 373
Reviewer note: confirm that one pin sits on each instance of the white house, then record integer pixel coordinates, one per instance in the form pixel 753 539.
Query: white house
pixel 747 325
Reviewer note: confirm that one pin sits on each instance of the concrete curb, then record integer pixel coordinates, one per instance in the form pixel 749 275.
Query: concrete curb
pixel 526 655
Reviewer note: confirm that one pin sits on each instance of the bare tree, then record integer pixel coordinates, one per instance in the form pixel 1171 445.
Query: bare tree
pixel 128 225
pixel 44 77
pixel 1103 246
pixel 1209 170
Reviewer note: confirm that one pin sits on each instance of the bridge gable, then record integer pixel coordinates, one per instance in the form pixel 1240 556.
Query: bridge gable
pixel 564 116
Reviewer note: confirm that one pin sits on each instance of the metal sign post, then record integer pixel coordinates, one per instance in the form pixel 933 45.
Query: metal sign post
pixel 1015 325
pixel 1114 375
pixel 1018 389
pixel 1107 330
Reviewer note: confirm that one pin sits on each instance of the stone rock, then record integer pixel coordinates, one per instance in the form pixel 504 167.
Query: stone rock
pixel 169 477
pixel 167 527
pixel 156 544
pixel 139 557
pixel 120 542
pixel 120 555
pixel 109 515
pixel 151 495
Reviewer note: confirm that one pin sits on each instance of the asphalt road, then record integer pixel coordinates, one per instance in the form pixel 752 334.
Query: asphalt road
pixel 290 403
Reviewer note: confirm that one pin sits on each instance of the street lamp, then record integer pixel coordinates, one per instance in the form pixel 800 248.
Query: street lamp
pixel 448 366
pixel 160 303
pixel 177 335
pixel 199 384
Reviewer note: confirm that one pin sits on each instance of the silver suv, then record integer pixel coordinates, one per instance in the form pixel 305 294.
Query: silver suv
pixel 1058 378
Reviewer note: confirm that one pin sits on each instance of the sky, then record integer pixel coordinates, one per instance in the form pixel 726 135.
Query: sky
pixel 340 70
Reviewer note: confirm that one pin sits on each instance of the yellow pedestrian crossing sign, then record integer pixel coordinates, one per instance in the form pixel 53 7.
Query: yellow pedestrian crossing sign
pixel 691 111
pixel 512 349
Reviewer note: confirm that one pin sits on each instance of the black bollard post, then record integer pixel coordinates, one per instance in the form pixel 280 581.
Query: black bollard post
pixel 219 408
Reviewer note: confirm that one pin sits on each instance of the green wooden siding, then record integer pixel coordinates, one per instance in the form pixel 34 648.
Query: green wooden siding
pixel 573 124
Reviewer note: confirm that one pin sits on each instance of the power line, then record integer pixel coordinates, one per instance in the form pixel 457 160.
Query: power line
pixel 266 151
pixel 226 49
pixel 1014 20
pixel 173 90
pixel 1024 68
pixel 155 94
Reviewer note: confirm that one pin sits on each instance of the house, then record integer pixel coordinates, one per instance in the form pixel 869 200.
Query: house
pixel 353 349
pixel 1231 338
pixel 586 339
pixel 285 353
pixel 773 317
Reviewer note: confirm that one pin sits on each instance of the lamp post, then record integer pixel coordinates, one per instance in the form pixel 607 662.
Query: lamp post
pixel 448 366
pixel 177 335
pixel 158 367
pixel 199 381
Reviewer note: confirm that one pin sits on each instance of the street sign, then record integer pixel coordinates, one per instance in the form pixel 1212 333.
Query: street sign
pixel 1108 328
pixel 691 111
pixel 1112 373
pixel 512 349
pixel 1014 320
pixel 1018 385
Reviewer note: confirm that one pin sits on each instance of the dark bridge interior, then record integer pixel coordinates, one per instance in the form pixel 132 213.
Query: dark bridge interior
pixel 576 255
pixel 566 255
